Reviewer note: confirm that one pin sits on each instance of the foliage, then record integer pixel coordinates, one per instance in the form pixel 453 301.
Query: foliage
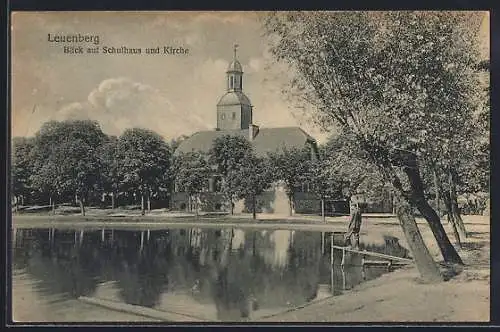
pixel 228 152
pixel 109 161
pixel 344 161
pixel 252 178
pixel 192 171
pixel 65 157
pixel 292 167
pixel 22 165
pixel 228 155
pixel 400 80
pixel 144 160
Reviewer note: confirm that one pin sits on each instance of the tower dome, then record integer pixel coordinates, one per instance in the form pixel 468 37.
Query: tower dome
pixel 235 66
pixel 234 98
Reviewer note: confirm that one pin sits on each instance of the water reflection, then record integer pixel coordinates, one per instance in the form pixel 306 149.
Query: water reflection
pixel 216 274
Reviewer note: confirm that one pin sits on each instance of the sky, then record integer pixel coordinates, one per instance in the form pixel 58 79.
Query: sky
pixel 170 94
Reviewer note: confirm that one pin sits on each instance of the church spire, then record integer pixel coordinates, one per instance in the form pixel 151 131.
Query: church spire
pixel 235 49
pixel 235 73
pixel 234 110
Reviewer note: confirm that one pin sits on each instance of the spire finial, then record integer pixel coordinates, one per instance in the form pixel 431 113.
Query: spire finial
pixel 235 48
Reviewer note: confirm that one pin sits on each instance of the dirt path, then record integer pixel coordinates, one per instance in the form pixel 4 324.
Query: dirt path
pixel 400 297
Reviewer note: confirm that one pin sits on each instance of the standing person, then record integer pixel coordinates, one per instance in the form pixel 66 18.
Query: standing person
pixel 352 236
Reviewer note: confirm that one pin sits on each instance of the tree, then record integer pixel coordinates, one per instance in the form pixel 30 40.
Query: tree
pixel 191 173
pixel 228 153
pixel 400 82
pixel 251 179
pixel 464 166
pixel 110 163
pixel 65 159
pixel 292 168
pixel 344 160
pixel 21 168
pixel 144 162
pixel 324 182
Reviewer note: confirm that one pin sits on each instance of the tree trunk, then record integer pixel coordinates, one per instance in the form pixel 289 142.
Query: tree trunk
pixel 82 206
pixel 393 203
pixel 426 266
pixel 196 205
pixel 113 200
pixel 149 201
pixel 254 212
pixel 232 206
pixel 143 207
pixel 323 210
pixel 436 189
pixel 453 222
pixel 451 219
pixel 454 207
pixel 290 205
pixel 53 204
pixel 449 253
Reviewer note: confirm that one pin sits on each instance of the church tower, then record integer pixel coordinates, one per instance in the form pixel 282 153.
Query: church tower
pixel 234 110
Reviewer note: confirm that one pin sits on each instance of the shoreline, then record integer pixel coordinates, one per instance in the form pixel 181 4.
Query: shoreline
pixel 397 296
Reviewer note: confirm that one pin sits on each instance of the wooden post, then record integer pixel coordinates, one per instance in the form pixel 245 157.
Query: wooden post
pixel 343 258
pixel 344 279
pixel 389 266
pixel 332 275
pixel 342 266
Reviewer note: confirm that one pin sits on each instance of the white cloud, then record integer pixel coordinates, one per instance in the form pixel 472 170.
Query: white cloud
pixel 121 103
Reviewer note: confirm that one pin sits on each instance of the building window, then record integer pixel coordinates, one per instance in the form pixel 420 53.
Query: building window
pixel 222 116
pixel 231 82
pixel 234 115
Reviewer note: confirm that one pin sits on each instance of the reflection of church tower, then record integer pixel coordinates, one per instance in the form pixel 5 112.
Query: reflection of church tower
pixel 234 110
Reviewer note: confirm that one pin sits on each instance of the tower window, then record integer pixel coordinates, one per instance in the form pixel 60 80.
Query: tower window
pixel 223 116
pixel 231 82
pixel 234 115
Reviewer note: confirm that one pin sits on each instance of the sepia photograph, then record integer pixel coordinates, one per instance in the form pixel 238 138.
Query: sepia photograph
pixel 250 167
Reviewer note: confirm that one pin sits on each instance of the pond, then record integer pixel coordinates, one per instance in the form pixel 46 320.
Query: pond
pixel 225 274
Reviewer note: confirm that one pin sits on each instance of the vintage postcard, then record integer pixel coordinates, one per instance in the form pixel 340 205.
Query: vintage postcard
pixel 250 167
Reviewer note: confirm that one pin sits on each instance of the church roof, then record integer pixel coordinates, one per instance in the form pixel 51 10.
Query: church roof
pixel 266 140
pixel 234 98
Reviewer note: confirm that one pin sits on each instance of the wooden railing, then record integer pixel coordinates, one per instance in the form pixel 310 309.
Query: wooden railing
pixel 388 261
